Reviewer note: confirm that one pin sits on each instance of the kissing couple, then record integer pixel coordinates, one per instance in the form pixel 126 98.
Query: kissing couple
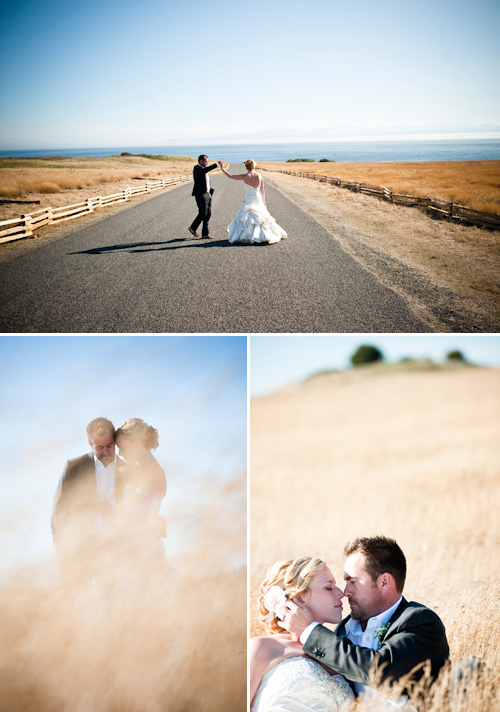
pixel 302 665
pixel 107 505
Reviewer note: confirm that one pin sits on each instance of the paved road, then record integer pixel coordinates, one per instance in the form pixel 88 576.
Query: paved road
pixel 141 271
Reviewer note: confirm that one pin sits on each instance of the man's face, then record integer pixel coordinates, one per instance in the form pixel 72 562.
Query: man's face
pixel 204 162
pixel 364 594
pixel 103 447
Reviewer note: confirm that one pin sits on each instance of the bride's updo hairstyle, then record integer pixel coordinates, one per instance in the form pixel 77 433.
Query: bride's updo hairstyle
pixel 250 165
pixel 294 576
pixel 137 429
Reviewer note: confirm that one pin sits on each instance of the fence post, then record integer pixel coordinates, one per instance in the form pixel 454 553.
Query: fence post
pixel 27 225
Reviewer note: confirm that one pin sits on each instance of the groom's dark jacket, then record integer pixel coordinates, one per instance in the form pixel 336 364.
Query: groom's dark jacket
pixel 415 635
pixel 75 501
pixel 200 182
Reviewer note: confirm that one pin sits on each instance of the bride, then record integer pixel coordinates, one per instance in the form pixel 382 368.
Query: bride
pixel 253 224
pixel 281 676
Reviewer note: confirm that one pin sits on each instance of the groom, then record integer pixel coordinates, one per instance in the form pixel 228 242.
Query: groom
pixel 203 195
pixel 83 516
pixel 386 637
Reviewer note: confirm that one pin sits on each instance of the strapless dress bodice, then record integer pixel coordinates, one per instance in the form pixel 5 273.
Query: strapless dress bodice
pixel 300 684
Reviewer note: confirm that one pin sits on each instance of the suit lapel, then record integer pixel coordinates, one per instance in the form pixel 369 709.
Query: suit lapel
pixel 340 629
pixel 398 611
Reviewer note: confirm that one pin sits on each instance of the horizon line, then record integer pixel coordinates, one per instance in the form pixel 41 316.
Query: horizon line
pixel 462 136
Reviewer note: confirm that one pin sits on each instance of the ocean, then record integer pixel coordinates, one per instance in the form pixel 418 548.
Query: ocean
pixel 477 149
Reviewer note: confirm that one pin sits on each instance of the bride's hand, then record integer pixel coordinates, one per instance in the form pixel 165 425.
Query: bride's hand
pixel 295 617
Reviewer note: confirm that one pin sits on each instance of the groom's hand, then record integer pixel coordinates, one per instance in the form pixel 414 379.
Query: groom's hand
pixel 295 617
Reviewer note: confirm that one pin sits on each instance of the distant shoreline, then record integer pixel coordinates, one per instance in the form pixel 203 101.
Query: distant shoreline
pixel 386 151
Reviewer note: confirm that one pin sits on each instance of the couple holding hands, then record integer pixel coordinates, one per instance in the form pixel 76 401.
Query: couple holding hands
pixel 253 224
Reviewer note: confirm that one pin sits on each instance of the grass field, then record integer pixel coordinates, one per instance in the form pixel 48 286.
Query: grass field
pixel 408 451
pixel 20 177
pixel 475 184
pixel 58 180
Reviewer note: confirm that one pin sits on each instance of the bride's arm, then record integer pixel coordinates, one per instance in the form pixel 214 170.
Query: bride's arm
pixel 263 191
pixel 265 653
pixel 238 177
pixel 259 662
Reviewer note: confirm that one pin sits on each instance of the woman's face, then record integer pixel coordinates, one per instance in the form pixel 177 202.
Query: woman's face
pixel 324 598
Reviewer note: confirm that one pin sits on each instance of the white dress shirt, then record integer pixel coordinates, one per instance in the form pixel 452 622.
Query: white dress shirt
pixel 105 479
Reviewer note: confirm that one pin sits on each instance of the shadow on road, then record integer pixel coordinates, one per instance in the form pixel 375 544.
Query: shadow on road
pixel 153 246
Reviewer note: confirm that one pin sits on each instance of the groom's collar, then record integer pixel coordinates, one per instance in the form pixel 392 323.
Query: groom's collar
pixel 375 621
pixel 393 611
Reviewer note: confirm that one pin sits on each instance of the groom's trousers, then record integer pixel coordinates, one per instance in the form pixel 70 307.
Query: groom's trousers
pixel 204 203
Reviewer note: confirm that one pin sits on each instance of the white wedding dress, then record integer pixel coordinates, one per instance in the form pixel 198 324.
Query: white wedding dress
pixel 253 224
pixel 300 684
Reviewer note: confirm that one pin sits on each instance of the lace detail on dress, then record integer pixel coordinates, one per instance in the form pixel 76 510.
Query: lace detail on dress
pixel 301 685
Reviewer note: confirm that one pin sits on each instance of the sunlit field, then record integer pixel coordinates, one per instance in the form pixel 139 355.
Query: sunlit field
pixel 22 176
pixel 138 637
pixel 409 451
pixel 58 180
pixel 475 184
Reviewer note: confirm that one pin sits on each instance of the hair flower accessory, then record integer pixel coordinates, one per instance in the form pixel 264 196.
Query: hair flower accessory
pixel 274 597
pixel 380 632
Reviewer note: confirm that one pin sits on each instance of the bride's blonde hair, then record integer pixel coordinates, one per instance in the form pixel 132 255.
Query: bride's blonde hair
pixel 137 428
pixel 250 165
pixel 294 576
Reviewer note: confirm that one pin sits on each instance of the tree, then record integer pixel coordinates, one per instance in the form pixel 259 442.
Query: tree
pixel 455 356
pixel 366 354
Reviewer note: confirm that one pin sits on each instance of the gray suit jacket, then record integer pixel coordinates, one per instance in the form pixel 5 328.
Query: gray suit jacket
pixel 75 500
pixel 416 634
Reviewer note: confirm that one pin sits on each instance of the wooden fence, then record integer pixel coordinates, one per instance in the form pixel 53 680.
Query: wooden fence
pixel 444 208
pixel 26 225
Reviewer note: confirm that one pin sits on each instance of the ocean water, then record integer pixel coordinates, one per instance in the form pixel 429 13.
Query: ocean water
pixel 343 151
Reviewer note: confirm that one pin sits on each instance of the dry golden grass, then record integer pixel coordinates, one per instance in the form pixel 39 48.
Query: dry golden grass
pixel 410 452
pixel 475 184
pixel 60 180
pixel 463 261
pixel 140 642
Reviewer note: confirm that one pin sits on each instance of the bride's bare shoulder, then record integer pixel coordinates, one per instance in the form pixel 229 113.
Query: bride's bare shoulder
pixel 262 644
pixel 271 647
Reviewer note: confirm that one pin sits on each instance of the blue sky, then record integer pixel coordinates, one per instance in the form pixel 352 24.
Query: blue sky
pixel 191 388
pixel 89 74
pixel 277 361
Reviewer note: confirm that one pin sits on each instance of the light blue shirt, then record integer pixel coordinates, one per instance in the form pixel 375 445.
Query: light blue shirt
pixel 367 638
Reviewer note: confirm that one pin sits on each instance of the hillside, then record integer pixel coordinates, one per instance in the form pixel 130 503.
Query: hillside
pixel 410 452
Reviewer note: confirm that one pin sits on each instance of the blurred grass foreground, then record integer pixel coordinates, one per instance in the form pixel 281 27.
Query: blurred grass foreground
pixel 138 636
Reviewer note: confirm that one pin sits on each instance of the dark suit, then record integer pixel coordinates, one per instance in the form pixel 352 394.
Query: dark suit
pixel 416 634
pixel 203 197
pixel 76 505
